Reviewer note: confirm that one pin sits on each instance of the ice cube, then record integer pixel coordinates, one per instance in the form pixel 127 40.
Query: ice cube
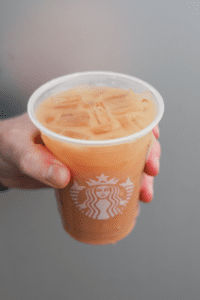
pixel 75 135
pixel 113 94
pixel 90 97
pixel 132 95
pixel 67 102
pixel 125 121
pixel 88 100
pixel 132 119
pixel 74 118
pixel 101 114
pixel 139 119
pixel 54 129
pixel 49 119
pixel 123 108
pixel 106 127
pixel 145 100
pixel 120 110
pixel 121 102
pixel 145 104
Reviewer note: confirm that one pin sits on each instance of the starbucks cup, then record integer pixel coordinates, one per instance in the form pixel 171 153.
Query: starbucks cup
pixel 100 204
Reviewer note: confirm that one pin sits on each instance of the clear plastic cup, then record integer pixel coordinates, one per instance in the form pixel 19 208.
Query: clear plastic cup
pixel 101 203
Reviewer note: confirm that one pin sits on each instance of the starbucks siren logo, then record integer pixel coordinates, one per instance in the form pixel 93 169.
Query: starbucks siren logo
pixel 104 199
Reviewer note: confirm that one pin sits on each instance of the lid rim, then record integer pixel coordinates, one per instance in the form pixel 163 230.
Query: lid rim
pixel 78 142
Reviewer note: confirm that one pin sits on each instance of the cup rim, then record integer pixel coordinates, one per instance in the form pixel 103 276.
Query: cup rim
pixel 110 142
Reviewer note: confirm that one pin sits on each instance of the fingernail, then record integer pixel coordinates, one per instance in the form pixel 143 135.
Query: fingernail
pixel 56 175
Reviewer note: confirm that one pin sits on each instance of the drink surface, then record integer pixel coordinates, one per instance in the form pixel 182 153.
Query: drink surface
pixel 90 112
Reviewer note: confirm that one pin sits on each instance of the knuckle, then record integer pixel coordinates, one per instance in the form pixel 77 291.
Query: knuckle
pixel 26 159
pixel 31 165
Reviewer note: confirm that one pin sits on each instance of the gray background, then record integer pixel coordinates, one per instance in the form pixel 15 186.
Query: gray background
pixel 159 42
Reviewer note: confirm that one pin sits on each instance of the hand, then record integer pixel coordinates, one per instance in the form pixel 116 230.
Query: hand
pixel 25 162
pixel 151 169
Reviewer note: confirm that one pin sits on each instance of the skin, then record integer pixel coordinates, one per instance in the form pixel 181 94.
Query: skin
pixel 25 161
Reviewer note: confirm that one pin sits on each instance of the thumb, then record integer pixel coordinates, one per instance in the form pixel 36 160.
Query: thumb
pixel 38 162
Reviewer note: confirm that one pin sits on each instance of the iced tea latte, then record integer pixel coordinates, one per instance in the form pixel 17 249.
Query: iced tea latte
pixel 101 203
pixel 97 113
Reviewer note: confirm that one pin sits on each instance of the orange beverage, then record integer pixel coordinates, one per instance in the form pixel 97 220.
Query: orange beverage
pixel 90 112
pixel 98 129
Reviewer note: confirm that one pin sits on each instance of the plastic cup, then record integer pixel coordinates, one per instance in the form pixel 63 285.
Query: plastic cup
pixel 101 203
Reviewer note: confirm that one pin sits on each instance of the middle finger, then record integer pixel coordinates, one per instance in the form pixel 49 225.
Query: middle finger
pixel 152 166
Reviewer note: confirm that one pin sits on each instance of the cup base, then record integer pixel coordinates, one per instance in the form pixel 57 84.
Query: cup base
pixel 92 239
pixel 110 240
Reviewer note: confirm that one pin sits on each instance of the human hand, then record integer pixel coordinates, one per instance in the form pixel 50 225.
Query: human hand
pixel 151 169
pixel 25 162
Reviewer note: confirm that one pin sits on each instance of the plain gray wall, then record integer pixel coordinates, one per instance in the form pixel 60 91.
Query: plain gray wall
pixel 159 42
